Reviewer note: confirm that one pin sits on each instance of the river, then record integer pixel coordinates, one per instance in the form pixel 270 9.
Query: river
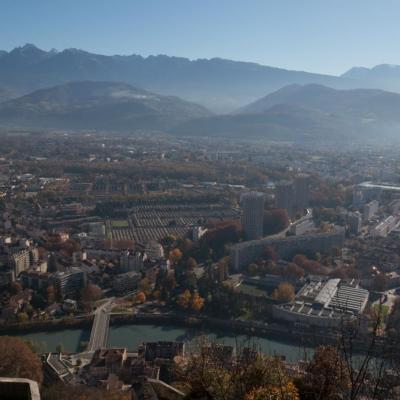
pixel 131 336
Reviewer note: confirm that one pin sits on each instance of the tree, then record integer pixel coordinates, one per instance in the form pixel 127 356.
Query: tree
pixel 212 374
pixel 170 283
pixel 293 272
pixel 275 221
pixel 168 240
pixel 284 293
pixel 61 391
pixel 327 375
pixel 218 236
pixel 15 288
pixel 379 283
pixel 197 302
pixel 184 299
pixel 270 254
pixel 51 294
pixel 175 255
pixel 60 348
pixel 300 260
pixel 191 263
pixel 145 286
pixel 271 392
pixel 140 297
pixel 23 317
pixel 18 360
pixel 90 294
pixel 252 269
pixel 185 245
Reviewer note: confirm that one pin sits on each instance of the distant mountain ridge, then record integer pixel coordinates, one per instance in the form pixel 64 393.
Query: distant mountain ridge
pixel 363 103
pixel 6 94
pixel 221 85
pixel 98 105
pixel 383 76
pixel 307 112
pixel 295 112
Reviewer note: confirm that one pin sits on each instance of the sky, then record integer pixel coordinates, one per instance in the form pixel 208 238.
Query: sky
pixel 326 36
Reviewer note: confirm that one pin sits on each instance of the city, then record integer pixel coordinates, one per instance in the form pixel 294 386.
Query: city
pixel 204 226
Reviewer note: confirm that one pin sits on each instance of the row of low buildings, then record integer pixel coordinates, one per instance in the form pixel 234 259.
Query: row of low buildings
pixel 386 226
pixel 244 253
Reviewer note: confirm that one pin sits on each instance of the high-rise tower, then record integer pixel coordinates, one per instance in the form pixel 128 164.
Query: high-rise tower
pixel 253 215
pixel 302 191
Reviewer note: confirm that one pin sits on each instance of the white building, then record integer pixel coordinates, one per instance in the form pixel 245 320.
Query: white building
pixel 385 227
pixel 370 209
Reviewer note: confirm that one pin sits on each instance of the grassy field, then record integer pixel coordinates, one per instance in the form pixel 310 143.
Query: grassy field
pixel 252 290
pixel 382 309
pixel 119 224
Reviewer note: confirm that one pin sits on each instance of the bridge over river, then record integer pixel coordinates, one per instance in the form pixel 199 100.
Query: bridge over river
pixel 101 324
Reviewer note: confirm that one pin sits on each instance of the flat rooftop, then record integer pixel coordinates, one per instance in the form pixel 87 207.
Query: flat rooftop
pixel 384 186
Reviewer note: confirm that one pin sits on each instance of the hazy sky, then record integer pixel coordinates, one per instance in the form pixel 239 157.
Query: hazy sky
pixel 315 35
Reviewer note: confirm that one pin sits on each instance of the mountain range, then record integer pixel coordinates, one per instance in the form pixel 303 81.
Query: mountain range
pixel 295 112
pixel 383 76
pixel 220 85
pixel 312 111
pixel 74 89
pixel 100 106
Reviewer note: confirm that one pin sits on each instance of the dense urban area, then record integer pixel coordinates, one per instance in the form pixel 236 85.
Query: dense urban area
pixel 249 239
pixel 199 200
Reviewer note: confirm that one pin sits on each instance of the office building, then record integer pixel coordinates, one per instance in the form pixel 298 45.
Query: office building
pixel 127 281
pixel 301 192
pixel 253 215
pixel 132 261
pixel 370 209
pixel 284 196
pixel 354 221
pixel 69 283
pixel 22 259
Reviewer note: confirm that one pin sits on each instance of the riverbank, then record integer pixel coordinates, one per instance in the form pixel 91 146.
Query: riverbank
pixel 273 331
pixel 48 325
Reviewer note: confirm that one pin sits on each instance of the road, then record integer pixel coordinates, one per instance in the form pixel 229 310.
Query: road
pixel 282 234
pixel 101 322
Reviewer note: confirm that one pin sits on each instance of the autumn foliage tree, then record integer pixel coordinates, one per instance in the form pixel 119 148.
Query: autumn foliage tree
pixel 140 297
pixel 79 392
pixel 188 300
pixel 293 272
pixel 51 294
pixel 197 302
pixel 327 376
pixel 145 286
pixel 211 374
pixel 191 263
pixel 275 221
pixel 184 299
pixel 220 234
pixel 175 255
pixel 284 293
pixel 90 294
pixel 18 360
pixel 271 392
